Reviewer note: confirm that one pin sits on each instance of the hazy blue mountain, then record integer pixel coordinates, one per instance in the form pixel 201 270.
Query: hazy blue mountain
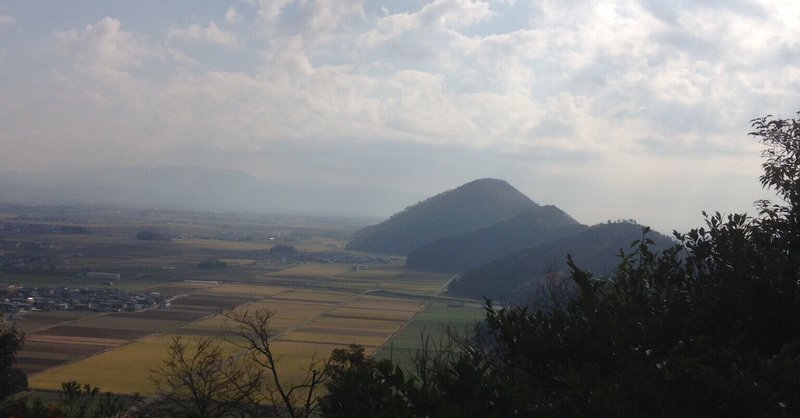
pixel 462 252
pixel 201 188
pixel 474 205
pixel 595 249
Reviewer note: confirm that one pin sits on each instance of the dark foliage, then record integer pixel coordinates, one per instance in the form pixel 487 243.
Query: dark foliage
pixel 462 252
pixel 283 249
pixel 212 263
pixel 595 249
pixel 445 382
pixel 11 380
pixel 708 327
pixel 77 401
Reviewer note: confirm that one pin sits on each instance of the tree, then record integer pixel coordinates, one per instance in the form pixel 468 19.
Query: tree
pixel 447 379
pixel 250 331
pixel 11 380
pixel 85 401
pixel 283 249
pixel 199 380
pixel 709 327
pixel 77 401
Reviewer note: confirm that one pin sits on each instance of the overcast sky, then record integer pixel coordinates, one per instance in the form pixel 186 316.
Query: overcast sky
pixel 607 109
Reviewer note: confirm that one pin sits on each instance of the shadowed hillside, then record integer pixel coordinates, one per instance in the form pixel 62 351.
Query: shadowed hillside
pixel 462 252
pixel 596 249
pixel 474 205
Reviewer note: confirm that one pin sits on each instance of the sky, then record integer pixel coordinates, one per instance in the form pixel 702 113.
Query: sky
pixel 606 109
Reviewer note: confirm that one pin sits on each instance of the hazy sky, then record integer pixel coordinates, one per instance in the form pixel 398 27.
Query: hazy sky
pixel 607 109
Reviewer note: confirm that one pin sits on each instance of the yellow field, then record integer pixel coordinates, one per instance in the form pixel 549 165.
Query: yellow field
pixel 343 339
pixel 131 362
pixel 358 323
pixel 373 314
pixel 222 245
pixel 318 244
pixel 134 363
pixel 63 339
pixel 312 270
pixel 246 290
pixel 286 314
pixel 424 288
pixel 384 303
pixel 315 296
pixel 372 274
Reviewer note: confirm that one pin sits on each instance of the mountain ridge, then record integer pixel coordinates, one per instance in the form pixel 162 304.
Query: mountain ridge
pixel 596 249
pixel 198 187
pixel 462 252
pixel 471 206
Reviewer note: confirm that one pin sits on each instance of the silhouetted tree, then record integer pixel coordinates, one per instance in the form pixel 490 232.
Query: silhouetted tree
pixel 199 380
pixel 250 331
pixel 11 341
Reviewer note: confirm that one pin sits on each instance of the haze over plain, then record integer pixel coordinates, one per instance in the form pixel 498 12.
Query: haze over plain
pixel 623 109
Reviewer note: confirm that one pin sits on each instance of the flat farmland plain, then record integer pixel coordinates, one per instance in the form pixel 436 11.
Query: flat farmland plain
pixel 306 323
pixel 316 306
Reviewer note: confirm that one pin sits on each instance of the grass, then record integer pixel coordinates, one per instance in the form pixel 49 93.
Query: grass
pixel 433 321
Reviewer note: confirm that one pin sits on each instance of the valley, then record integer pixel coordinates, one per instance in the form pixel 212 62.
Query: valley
pixel 322 295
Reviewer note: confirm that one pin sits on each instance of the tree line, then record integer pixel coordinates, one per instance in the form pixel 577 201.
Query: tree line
pixel 709 327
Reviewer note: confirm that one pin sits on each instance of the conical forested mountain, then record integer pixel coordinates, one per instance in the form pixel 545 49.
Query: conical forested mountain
pixel 462 252
pixel 472 206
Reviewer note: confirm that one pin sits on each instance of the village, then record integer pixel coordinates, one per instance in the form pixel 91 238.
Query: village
pixel 15 301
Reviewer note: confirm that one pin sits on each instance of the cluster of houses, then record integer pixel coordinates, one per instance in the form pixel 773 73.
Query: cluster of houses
pixel 15 301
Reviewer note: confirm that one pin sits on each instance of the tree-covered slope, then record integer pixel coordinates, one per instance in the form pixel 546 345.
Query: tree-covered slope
pixel 474 205
pixel 462 252
pixel 595 249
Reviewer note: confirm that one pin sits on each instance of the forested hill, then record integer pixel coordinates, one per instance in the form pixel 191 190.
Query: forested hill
pixel 474 205
pixel 596 250
pixel 462 252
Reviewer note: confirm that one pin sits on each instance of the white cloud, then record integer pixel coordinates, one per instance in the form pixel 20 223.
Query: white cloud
pixel 103 44
pixel 270 10
pixel 6 21
pixel 232 16
pixel 196 33
pixel 616 94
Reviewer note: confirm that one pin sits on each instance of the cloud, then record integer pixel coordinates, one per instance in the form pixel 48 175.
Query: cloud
pixel 211 33
pixel 609 94
pixel 232 16
pixel 102 44
pixel 6 21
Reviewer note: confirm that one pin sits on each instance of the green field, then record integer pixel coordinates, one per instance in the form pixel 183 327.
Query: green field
pixel 434 322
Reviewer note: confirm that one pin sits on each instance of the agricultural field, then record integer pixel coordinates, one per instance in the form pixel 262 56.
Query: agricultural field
pixel 321 298
pixel 434 323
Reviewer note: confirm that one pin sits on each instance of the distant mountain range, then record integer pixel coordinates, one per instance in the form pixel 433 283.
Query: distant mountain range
pixel 474 205
pixel 198 188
